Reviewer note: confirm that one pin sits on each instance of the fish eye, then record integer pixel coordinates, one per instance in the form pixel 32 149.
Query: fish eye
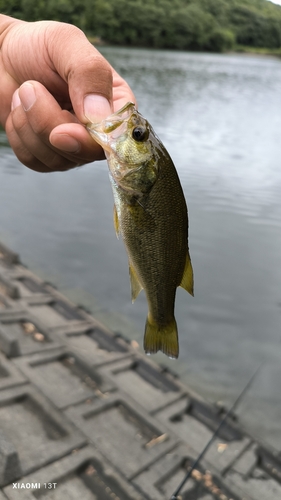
pixel 140 134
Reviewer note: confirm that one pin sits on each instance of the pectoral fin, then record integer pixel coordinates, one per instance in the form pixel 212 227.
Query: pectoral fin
pixel 187 278
pixel 116 221
pixel 136 287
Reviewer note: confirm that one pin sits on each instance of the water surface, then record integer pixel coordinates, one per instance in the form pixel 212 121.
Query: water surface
pixel 219 116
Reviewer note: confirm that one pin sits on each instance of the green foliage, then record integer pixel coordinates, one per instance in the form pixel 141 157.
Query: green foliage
pixel 221 40
pixel 192 28
pixel 13 8
pixel 213 25
pixel 254 28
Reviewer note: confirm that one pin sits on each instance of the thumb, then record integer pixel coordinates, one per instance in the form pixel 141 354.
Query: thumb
pixel 88 75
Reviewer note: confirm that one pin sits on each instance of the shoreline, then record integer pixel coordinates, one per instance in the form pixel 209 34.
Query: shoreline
pixel 239 49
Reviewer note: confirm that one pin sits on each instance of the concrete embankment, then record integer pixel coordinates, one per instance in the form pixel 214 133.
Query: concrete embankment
pixel 85 415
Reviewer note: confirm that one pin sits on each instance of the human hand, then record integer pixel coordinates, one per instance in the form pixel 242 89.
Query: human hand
pixel 53 82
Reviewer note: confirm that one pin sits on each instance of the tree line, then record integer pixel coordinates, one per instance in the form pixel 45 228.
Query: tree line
pixel 209 25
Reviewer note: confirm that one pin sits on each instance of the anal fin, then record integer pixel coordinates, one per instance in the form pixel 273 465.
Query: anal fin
pixel 187 277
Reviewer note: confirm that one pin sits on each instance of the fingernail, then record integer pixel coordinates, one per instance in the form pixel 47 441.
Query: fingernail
pixel 65 142
pixel 27 96
pixel 96 108
pixel 15 100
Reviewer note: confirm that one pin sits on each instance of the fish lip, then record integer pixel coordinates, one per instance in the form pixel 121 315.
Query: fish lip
pixel 100 137
pixel 116 114
pixel 127 106
pixel 100 131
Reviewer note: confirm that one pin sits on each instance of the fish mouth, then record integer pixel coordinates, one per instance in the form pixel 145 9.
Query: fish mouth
pixel 106 130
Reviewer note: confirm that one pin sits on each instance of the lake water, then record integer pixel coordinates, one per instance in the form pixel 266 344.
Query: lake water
pixel 220 118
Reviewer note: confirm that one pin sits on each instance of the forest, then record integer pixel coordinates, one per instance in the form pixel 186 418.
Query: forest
pixel 202 25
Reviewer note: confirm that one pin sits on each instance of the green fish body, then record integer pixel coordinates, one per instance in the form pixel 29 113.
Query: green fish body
pixel 150 214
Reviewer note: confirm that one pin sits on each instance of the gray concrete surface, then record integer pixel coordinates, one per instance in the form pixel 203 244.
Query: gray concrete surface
pixel 83 414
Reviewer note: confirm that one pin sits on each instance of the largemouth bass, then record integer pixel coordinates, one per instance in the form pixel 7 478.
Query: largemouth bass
pixel 150 214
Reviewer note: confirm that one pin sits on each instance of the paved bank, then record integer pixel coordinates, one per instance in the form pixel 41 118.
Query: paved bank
pixel 84 415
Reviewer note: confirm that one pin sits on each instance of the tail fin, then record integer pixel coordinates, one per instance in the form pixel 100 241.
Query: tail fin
pixel 161 339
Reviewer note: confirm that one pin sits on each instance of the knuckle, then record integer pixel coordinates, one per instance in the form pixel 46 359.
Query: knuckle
pixel 25 126
pixel 62 31
pixel 25 157
pixel 41 127
pixel 19 120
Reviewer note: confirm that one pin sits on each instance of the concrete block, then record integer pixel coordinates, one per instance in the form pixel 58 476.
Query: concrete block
pixel 143 381
pixel 253 488
pixel 106 340
pixel 7 256
pixel 36 430
pixel 211 415
pixel 22 333
pixel 63 377
pixel 41 296
pixel 223 454
pixel 92 342
pixel 123 432
pixel 8 288
pixel 83 474
pixel 9 343
pixel 10 468
pixel 5 302
pixel 9 374
pixel 257 474
pixel 24 282
pixel 60 310
pixel 23 286
pixel 190 430
pixel 161 479
pixel 269 462
pixel 50 311
pixel 184 422
pixel 246 462
pixel 27 283
pixel 19 283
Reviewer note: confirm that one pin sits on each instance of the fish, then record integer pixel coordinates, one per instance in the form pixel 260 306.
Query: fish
pixel 150 214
